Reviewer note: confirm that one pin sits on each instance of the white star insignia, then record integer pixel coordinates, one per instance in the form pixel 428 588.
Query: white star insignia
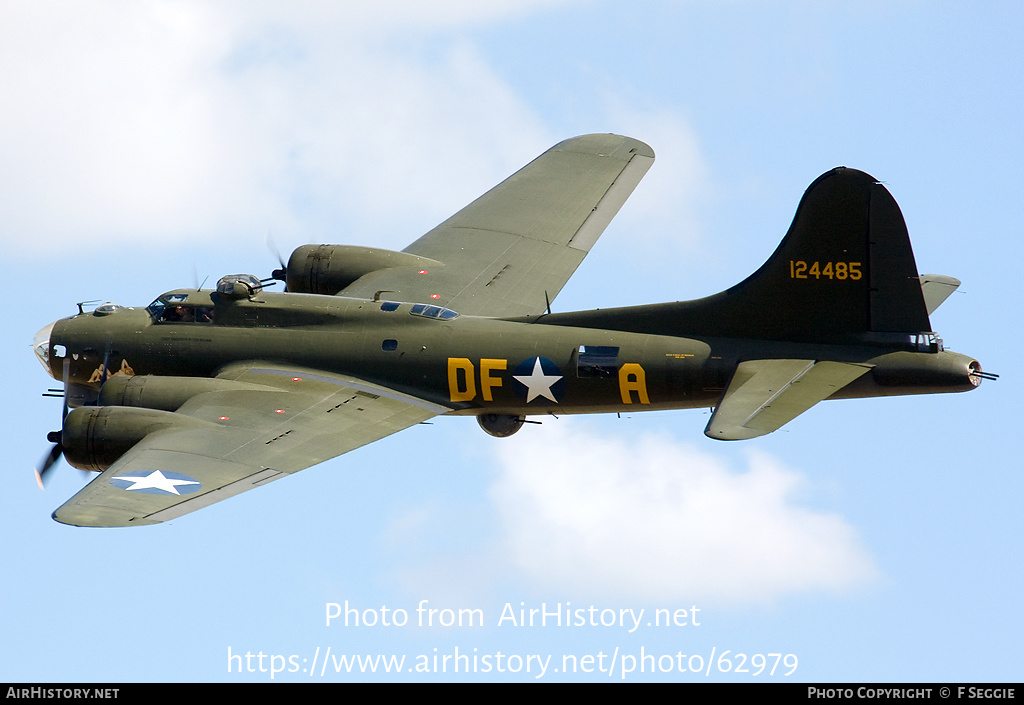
pixel 537 383
pixel 155 480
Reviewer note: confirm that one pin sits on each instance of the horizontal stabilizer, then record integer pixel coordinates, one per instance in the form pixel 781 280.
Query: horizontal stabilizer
pixel 764 395
pixel 936 289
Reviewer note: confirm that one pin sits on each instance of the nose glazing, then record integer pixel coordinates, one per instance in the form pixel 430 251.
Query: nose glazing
pixel 41 346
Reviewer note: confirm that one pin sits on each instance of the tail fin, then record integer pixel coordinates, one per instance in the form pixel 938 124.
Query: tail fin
pixel 845 272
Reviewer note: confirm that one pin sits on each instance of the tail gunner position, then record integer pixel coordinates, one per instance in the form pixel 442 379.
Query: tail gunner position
pixel 205 394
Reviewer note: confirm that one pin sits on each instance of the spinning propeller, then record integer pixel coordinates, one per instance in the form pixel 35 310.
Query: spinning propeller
pixel 55 437
pixel 281 274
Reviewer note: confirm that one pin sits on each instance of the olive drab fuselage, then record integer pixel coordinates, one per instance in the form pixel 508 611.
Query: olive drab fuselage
pixel 469 364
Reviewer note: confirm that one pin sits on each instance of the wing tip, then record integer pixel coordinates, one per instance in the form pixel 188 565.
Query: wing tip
pixel 92 520
pixel 606 144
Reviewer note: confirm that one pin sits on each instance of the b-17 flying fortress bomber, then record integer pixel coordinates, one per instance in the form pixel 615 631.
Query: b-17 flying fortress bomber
pixel 205 394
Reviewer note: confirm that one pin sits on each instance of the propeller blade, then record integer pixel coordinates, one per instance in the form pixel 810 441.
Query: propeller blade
pixel 281 274
pixel 54 437
pixel 67 386
pixel 48 462
pixel 269 242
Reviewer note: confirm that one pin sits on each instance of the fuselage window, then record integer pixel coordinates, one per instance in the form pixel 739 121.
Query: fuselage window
pixel 428 311
pixel 390 306
pixel 597 361
pixel 389 345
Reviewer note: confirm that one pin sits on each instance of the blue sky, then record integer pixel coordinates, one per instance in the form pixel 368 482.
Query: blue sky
pixel 150 145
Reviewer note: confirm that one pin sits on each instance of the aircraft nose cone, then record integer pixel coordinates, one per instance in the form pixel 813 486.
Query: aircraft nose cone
pixel 41 346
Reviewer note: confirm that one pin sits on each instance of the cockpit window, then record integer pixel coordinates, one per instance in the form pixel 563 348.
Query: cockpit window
pixel 172 308
pixel 180 313
pixel 155 309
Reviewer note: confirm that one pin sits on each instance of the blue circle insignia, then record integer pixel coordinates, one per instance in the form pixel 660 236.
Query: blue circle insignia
pixel 539 378
pixel 156 482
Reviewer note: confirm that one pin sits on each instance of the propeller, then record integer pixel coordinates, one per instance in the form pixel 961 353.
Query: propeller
pixel 51 459
pixel 281 274
pixel 55 436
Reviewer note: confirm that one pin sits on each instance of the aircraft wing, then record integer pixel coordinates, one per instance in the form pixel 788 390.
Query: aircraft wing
pixel 763 395
pixel 279 420
pixel 509 252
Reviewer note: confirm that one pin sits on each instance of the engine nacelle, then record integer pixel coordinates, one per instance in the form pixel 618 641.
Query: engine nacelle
pixel 327 269
pixel 94 437
pixel 166 393
pixel 500 425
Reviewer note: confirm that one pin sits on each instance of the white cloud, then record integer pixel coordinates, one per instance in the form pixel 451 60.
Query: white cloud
pixel 130 122
pixel 654 519
pixel 158 124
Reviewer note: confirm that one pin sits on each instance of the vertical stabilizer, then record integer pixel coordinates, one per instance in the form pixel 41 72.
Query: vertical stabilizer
pixel 844 271
pixel 843 274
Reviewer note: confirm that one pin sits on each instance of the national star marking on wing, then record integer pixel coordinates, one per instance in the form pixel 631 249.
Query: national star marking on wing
pixel 155 480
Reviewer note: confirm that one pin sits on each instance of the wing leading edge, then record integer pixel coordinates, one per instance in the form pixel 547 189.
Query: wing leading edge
pixel 278 421
pixel 509 252
pixel 936 289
